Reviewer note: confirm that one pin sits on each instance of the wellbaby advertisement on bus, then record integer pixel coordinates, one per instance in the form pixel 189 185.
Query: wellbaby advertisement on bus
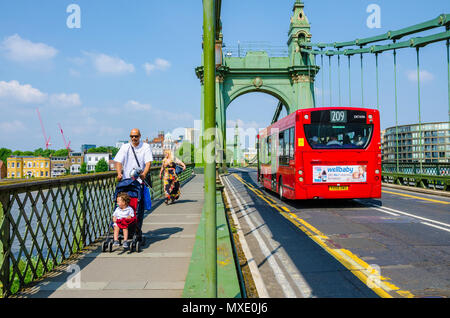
pixel 339 174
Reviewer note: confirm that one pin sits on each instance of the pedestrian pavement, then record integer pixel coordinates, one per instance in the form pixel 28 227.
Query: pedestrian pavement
pixel 158 271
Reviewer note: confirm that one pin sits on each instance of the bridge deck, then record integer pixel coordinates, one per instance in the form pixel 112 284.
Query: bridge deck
pixel 159 270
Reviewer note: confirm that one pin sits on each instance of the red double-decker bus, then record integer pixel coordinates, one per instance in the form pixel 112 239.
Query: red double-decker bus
pixel 327 153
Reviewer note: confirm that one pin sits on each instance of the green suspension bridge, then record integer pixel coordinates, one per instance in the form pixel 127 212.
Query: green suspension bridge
pixel 43 224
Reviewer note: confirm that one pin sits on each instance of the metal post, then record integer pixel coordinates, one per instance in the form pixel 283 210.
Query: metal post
pixel 378 91
pixel 396 117
pixel 210 150
pixel 81 216
pixel 418 100
pixel 339 78
pixel 329 71
pixel 323 92
pixel 362 82
pixel 4 246
pixel 448 75
pixel 349 83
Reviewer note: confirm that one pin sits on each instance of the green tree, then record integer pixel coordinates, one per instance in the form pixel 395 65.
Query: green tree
pixel 5 153
pixel 102 149
pixel 61 153
pixel 39 152
pixel 113 151
pixel 83 168
pixel 101 166
pixel 48 152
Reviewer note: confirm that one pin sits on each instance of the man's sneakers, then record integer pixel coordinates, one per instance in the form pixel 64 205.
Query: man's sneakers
pixel 116 243
pixel 125 245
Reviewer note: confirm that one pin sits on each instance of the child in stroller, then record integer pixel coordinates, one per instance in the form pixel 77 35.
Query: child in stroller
pixel 123 217
pixel 128 227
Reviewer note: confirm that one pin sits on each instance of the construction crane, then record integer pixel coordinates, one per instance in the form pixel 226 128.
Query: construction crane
pixel 47 141
pixel 67 145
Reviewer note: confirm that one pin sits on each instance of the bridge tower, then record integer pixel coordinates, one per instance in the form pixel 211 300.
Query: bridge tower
pixel 290 78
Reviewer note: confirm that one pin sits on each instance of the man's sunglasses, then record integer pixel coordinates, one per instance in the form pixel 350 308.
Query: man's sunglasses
pixel 131 136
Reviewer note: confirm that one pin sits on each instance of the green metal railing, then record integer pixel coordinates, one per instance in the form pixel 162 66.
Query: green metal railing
pixel 42 223
pixel 424 175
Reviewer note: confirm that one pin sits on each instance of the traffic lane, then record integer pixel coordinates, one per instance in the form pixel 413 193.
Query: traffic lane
pixel 409 253
pixel 428 210
pixel 423 205
pixel 321 272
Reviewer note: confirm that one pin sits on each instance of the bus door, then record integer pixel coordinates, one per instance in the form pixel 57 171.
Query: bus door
pixel 286 159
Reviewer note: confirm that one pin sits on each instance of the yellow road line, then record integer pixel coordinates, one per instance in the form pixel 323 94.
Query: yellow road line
pixel 414 197
pixel 353 263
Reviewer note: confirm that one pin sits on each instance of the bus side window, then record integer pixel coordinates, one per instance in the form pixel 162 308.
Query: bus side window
pixel 287 139
pixel 291 143
pixel 281 145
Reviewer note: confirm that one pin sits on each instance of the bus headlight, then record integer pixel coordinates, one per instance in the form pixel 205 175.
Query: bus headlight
pixel 377 171
pixel 300 172
pixel 300 179
pixel 306 116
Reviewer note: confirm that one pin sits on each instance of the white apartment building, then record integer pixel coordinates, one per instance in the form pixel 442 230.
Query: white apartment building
pixel 92 159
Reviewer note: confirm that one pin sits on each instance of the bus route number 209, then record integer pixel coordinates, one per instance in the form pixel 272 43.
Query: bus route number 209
pixel 338 116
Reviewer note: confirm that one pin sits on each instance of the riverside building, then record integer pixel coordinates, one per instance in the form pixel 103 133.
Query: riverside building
pixel 24 167
pixel 428 143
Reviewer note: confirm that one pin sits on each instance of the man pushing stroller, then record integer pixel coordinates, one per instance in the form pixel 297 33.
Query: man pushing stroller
pixel 133 160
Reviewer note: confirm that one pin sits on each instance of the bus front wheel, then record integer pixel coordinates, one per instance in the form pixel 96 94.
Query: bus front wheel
pixel 280 189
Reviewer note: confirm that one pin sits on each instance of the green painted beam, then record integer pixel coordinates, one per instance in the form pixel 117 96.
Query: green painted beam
pixel 228 285
pixel 440 21
pixel 209 124
pixel 414 42
pixel 277 112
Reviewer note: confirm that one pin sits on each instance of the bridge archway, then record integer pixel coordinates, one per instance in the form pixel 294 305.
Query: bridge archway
pixel 289 78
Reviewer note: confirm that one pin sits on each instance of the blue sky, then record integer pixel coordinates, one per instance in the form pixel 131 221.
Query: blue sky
pixel 131 64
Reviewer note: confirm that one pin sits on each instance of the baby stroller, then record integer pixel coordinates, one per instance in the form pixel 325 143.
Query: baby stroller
pixel 134 190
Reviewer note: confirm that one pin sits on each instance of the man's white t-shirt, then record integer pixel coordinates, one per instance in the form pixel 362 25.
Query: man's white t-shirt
pixel 120 214
pixel 126 157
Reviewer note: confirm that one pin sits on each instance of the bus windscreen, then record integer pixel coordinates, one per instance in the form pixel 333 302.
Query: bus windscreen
pixel 338 135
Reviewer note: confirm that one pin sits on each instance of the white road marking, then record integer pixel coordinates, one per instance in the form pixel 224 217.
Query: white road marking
pixel 303 287
pixel 438 227
pixel 398 213
pixel 257 278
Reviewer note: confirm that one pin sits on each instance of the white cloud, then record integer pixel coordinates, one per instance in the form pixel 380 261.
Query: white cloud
pixel 65 100
pixel 158 113
pixel 134 105
pixel 159 64
pixel 106 64
pixel 14 126
pixel 21 50
pixel 13 91
pixel 425 76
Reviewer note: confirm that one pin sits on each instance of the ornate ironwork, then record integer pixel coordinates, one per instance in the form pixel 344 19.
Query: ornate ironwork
pixel 42 223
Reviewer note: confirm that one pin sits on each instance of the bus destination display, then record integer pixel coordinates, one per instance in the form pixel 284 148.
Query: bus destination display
pixel 338 116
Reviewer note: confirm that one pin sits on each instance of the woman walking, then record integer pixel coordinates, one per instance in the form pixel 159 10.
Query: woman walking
pixel 170 177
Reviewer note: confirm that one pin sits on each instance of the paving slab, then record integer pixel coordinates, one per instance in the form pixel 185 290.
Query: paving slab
pixel 158 271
